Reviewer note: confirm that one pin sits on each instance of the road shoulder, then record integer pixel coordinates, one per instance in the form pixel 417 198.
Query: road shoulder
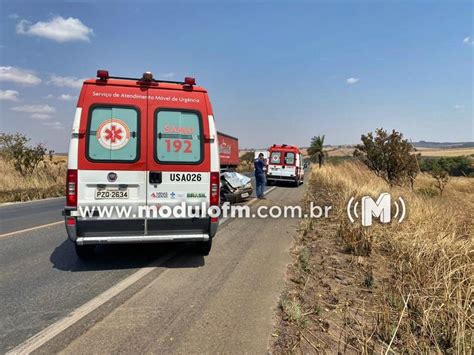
pixel 228 304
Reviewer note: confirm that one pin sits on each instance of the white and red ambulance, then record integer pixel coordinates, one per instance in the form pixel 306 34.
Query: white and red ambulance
pixel 141 142
pixel 285 164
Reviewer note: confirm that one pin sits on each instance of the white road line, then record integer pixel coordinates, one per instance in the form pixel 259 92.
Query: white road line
pixel 251 202
pixel 54 329
pixel 6 235
pixel 41 338
pixel 31 202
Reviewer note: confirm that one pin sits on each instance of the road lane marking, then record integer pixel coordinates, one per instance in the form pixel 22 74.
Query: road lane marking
pixel 9 234
pixel 41 338
pixel 31 202
pixel 249 203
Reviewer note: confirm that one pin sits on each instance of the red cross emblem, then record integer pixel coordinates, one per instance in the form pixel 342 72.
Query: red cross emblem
pixel 113 134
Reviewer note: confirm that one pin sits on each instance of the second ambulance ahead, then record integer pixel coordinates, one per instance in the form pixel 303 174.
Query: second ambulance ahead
pixel 285 164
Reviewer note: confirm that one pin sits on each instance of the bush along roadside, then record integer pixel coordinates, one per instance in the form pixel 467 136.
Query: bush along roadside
pixel 403 288
pixel 28 173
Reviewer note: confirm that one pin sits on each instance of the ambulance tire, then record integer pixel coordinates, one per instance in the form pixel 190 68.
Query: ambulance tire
pixel 297 182
pixel 85 252
pixel 203 248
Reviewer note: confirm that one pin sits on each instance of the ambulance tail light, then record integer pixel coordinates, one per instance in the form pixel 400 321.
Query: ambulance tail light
pixel 71 188
pixel 103 74
pixel 214 196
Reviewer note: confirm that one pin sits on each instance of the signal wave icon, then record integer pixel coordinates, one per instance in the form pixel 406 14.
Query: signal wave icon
pixel 382 208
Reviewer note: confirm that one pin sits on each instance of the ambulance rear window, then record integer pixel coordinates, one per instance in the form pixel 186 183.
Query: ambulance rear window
pixel 275 157
pixel 289 158
pixel 113 134
pixel 178 137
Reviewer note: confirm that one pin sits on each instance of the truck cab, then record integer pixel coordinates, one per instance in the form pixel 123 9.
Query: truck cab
pixel 139 143
pixel 285 164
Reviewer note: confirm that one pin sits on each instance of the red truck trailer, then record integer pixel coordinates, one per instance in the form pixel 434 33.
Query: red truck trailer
pixel 228 151
pixel 235 187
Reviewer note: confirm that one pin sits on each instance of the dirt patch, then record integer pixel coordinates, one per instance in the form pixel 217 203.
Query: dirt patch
pixel 333 290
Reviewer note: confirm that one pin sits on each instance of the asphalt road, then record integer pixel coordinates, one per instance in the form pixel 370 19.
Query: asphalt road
pixel 24 215
pixel 223 302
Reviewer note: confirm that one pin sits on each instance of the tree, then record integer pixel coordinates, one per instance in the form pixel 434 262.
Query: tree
pixel 389 156
pixel 441 177
pixel 315 150
pixel 15 148
pixel 247 157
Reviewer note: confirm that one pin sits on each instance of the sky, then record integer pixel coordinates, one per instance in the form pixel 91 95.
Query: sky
pixel 276 72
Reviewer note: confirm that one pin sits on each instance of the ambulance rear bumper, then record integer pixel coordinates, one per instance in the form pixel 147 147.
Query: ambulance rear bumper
pixel 143 239
pixel 280 178
pixel 94 231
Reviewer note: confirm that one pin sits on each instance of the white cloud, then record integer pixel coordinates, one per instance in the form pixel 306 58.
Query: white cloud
pixel 352 81
pixel 41 116
pixel 53 124
pixel 10 95
pixel 166 75
pixel 468 40
pixel 66 81
pixel 19 76
pixel 458 107
pixel 13 16
pixel 58 29
pixel 34 109
pixel 49 96
pixel 66 97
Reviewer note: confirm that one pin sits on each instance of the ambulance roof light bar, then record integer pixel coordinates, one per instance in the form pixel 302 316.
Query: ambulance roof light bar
pixel 147 77
pixel 103 74
pixel 189 81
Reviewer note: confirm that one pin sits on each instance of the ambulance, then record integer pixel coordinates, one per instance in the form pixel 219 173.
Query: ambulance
pixel 138 143
pixel 285 164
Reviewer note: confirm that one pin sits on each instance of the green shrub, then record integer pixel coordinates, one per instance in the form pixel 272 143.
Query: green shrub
pixel 389 156
pixel 454 166
pixel 15 148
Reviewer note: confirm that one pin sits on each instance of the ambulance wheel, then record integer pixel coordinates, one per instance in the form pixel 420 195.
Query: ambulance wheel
pixel 297 182
pixel 203 248
pixel 269 183
pixel 85 252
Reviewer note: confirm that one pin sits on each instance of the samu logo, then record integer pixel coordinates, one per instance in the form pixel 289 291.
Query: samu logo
pixel 382 208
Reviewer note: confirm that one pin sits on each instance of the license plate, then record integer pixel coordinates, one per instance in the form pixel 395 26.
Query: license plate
pixel 245 194
pixel 111 194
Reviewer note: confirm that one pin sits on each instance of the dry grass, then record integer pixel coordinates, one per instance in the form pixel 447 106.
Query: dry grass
pixel 419 272
pixel 447 152
pixel 430 255
pixel 48 180
pixel 245 167
pixel 426 152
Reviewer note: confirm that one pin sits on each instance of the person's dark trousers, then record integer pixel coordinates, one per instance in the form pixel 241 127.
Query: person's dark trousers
pixel 260 182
